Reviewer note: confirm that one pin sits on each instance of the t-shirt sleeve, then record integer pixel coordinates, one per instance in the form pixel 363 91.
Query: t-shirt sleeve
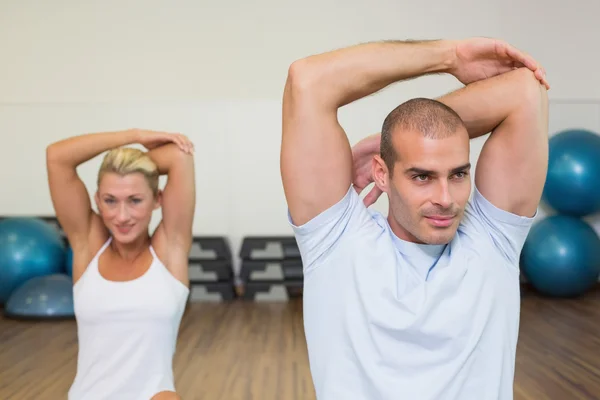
pixel 318 237
pixel 507 231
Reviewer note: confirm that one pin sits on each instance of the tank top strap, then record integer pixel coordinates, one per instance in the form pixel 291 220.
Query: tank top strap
pixel 94 262
pixel 104 246
pixel 153 253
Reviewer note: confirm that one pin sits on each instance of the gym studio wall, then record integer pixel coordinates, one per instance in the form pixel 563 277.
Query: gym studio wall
pixel 215 71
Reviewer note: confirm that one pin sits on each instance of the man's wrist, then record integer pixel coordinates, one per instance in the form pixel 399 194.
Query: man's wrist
pixel 439 55
pixel 446 55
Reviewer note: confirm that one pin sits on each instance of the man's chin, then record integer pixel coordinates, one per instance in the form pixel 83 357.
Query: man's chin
pixel 437 236
pixel 440 240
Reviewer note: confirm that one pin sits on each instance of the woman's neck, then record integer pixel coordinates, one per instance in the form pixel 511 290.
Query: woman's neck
pixel 132 250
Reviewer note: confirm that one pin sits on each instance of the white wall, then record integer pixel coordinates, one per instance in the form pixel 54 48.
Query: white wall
pixel 215 71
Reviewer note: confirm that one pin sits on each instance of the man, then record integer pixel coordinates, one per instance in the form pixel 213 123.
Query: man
pixel 424 304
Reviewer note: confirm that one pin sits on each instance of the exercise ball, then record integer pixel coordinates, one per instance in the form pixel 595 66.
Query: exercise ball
pixel 42 297
pixel 571 186
pixel 561 256
pixel 69 261
pixel 29 247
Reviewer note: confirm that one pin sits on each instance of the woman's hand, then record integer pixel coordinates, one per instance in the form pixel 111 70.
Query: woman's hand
pixel 153 139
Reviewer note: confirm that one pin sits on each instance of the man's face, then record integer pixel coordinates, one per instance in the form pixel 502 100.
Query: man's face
pixel 429 187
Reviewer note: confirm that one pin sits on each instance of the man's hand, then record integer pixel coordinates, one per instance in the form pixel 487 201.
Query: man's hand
pixel 362 163
pixel 482 58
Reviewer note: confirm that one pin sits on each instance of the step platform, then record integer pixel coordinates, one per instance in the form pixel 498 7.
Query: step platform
pixel 210 259
pixel 269 248
pixel 212 292
pixel 271 269
pixel 271 291
pixel 210 270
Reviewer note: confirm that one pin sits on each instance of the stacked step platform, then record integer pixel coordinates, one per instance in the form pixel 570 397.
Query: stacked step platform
pixel 211 270
pixel 271 268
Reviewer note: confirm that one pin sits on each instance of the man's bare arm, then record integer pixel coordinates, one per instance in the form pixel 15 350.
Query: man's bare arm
pixel 513 106
pixel 316 158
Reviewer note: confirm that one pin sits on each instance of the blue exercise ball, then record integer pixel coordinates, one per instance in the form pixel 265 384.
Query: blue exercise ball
pixel 561 256
pixel 29 247
pixel 571 186
pixel 69 261
pixel 42 297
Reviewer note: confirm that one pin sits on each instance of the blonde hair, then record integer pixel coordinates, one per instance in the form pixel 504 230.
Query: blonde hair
pixel 127 160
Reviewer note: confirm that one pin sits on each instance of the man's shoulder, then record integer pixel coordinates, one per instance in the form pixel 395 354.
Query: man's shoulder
pixel 481 210
pixel 486 226
pixel 342 228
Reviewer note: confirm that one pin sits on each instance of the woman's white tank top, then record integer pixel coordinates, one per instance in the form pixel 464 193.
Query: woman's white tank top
pixel 127 333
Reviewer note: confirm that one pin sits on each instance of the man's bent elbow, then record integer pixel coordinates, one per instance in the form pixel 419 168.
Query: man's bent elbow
pixel 529 88
pixel 302 77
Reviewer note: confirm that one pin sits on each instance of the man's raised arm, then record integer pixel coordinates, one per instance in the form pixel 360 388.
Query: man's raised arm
pixel 316 158
pixel 513 106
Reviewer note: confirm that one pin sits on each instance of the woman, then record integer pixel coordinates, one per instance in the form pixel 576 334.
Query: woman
pixel 130 287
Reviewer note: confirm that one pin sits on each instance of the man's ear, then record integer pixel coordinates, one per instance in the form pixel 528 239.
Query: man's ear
pixel 381 175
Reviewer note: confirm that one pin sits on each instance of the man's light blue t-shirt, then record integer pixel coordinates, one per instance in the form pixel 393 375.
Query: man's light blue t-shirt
pixel 386 319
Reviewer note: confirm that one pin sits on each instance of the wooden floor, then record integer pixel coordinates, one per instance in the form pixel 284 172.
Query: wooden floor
pixel 244 351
